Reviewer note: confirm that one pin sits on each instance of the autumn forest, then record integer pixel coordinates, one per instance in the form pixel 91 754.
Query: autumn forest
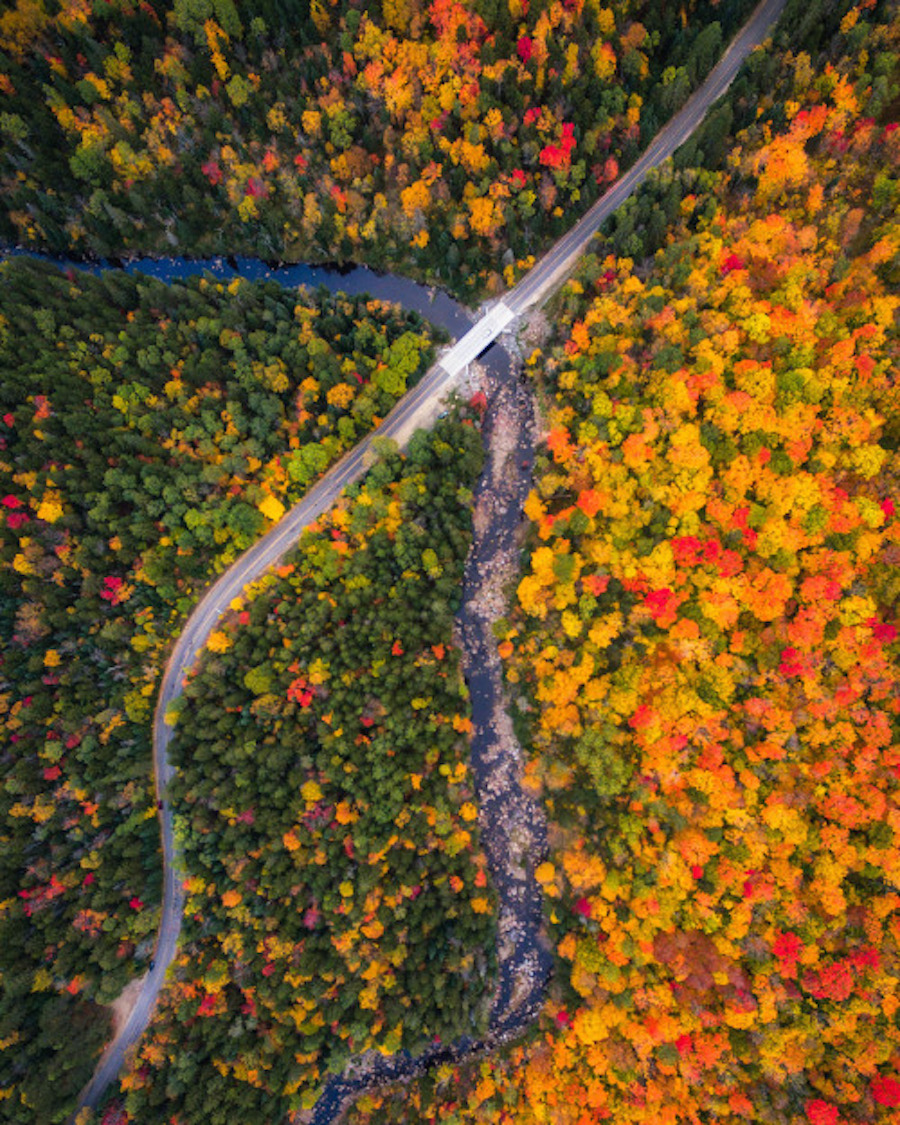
pixel 697 643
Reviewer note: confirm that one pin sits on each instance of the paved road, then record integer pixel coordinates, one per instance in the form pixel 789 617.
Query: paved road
pixel 417 408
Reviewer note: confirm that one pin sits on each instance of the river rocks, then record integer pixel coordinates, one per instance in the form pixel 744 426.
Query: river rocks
pixel 512 826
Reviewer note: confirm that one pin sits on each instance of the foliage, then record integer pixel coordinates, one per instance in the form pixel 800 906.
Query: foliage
pixel 450 138
pixel 809 35
pixel 337 898
pixel 147 435
pixel 707 639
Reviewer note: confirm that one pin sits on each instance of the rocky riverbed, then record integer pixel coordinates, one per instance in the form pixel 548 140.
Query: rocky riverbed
pixel 512 824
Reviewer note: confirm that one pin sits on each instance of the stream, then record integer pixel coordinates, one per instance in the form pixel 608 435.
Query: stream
pixel 512 825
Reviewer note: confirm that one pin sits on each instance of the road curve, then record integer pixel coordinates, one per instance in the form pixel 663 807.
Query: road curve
pixel 416 408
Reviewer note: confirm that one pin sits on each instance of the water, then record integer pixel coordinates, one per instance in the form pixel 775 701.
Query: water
pixel 432 303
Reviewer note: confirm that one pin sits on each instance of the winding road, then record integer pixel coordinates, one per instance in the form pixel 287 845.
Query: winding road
pixel 418 408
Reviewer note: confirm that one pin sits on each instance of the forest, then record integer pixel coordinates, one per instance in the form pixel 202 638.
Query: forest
pixel 148 433
pixel 452 139
pixel 704 649
pixel 700 650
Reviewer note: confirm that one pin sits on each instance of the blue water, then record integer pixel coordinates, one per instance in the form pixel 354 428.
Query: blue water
pixel 430 302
